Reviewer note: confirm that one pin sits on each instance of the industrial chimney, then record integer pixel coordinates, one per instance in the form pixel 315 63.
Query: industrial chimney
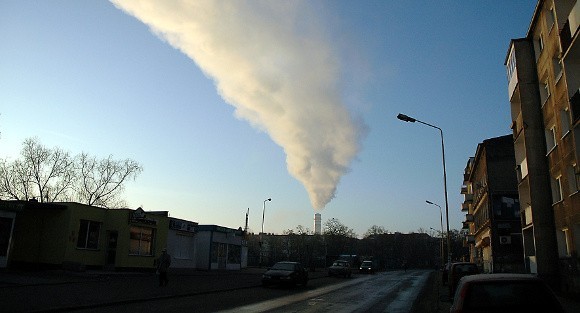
pixel 317 224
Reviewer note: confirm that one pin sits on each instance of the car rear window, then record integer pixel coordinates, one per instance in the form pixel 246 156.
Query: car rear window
pixel 283 266
pixel 465 268
pixel 504 295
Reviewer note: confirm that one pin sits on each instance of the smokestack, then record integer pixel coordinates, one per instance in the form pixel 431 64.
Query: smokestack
pixel 317 224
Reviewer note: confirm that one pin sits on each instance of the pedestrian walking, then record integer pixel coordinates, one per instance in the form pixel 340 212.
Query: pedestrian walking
pixel 163 263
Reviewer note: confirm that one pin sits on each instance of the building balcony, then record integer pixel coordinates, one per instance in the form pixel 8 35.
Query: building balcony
pixel 464 190
pixel 468 198
pixel 469 218
pixel 570 28
pixel 464 207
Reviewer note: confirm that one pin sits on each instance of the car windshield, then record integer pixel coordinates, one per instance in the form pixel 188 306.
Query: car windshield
pixel 495 295
pixel 339 264
pixel 283 266
pixel 366 263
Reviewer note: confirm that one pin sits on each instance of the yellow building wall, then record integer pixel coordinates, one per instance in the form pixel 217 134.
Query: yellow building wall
pixel 73 254
pixel 48 234
pixel 119 220
pixel 39 235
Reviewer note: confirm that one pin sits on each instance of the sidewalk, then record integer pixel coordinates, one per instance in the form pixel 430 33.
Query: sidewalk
pixel 61 290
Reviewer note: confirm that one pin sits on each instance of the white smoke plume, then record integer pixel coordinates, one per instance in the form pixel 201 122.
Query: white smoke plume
pixel 271 62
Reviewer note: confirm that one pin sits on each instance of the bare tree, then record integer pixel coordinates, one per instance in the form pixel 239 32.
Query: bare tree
pixel 339 238
pixel 14 183
pixel 101 182
pixel 374 231
pixel 46 174
pixel 53 175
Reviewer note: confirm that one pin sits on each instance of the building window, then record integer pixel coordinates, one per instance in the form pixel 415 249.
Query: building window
pixel 234 254
pixel 141 240
pixel 564 243
pixel 511 64
pixel 89 235
pixel 550 18
pixel 550 139
pixel 572 178
pixel 558 70
pixel 539 45
pixel 565 121
pixel 557 189
pixel 544 92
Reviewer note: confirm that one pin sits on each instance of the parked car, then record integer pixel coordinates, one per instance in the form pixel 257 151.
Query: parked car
pixel 367 267
pixel 504 293
pixel 287 273
pixel 340 268
pixel 458 270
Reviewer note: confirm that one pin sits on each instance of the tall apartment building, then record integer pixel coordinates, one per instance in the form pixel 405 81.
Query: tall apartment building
pixel 543 72
pixel 493 209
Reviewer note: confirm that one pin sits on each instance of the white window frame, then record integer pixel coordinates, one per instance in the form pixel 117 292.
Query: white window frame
pixel 539 45
pixel 550 139
pixel 141 248
pixel 564 242
pixel 90 228
pixel 557 190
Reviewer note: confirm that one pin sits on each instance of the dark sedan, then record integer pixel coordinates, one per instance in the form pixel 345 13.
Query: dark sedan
pixel 340 268
pixel 287 273
pixel 367 267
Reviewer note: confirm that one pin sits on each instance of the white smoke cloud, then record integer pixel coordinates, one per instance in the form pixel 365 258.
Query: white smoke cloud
pixel 271 62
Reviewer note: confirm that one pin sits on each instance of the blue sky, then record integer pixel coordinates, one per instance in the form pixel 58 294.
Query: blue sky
pixel 226 104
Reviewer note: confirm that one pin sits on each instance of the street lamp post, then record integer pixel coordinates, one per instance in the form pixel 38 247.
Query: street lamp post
pixel 409 119
pixel 441 218
pixel 262 233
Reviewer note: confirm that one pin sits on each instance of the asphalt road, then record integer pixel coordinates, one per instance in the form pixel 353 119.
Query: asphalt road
pixel 383 292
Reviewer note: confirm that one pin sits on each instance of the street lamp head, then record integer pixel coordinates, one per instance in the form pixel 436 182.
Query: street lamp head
pixel 429 202
pixel 269 199
pixel 406 118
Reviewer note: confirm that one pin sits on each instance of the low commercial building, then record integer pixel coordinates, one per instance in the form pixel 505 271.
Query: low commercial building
pixel 220 248
pixel 181 243
pixel 76 236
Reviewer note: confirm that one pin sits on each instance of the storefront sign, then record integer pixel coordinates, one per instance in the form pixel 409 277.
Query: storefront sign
pixel 138 216
pixel 182 225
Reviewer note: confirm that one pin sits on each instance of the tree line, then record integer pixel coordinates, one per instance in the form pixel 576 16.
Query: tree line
pixel 54 175
pixel 389 250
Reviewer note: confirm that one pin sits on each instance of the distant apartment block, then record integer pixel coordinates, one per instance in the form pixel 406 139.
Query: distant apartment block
pixel 543 72
pixel 493 208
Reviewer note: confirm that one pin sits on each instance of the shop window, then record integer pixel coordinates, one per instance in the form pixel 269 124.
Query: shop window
pixel 234 254
pixel 141 240
pixel 89 235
